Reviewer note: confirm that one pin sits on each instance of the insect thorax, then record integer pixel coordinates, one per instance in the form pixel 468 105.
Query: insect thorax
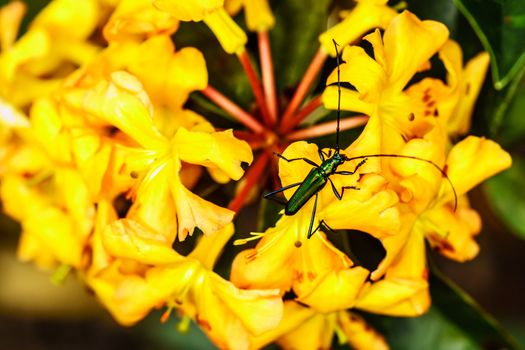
pixel 330 165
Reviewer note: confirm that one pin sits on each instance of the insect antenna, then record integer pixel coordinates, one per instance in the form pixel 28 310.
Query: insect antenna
pixel 338 96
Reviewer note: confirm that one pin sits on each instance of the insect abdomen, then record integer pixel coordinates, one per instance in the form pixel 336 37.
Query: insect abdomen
pixel 312 184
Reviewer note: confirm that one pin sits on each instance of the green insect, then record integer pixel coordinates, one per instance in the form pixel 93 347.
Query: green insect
pixel 320 174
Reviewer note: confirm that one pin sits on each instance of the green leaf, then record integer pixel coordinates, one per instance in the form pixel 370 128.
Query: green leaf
pixel 294 39
pixel 511 128
pixel 168 336
pixel 500 25
pixel 493 109
pixel 505 194
pixel 454 321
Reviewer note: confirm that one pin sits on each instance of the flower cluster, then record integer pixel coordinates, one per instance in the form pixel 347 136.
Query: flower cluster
pixel 100 158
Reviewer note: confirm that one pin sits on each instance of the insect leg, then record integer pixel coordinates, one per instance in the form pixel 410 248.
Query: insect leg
pixel 312 163
pixel 340 195
pixel 355 169
pixel 323 154
pixel 348 251
pixel 322 223
pixel 271 195
pixel 310 233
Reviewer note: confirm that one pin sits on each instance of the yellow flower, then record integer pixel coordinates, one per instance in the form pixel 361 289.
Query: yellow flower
pixel 400 122
pixel 56 215
pixel 155 161
pixel 57 35
pixel 138 19
pixel 12 121
pixel 231 37
pixel 403 291
pixel 366 15
pixel 259 16
pixel 304 328
pixel 452 233
pixel 319 274
pixel 453 102
pixel 405 48
pixel 168 77
pixel 148 273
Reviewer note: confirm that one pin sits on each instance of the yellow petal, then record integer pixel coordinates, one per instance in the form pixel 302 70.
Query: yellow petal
pixel 332 291
pixel 269 265
pixel 154 206
pixel 218 149
pixel 73 195
pixel 259 16
pixel 100 258
pixel 473 76
pixel 32 46
pixel 47 130
pixel 57 234
pixel 16 194
pixel 376 215
pixel 193 10
pixel 464 158
pixel 359 334
pixel 11 16
pixel 350 101
pixel 128 239
pixel 26 88
pixel 69 18
pixel 193 211
pixel 452 233
pixel 315 333
pixel 258 310
pixel 122 103
pixel 209 248
pixel 138 19
pixel 231 37
pixel 404 289
pixel 361 71
pixel 294 315
pixel 131 296
pixel 169 76
pixel 229 315
pixel 30 249
pixel 396 297
pixel 366 15
pixel 409 43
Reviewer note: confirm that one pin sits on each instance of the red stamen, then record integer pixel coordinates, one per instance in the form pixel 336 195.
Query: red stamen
pixel 309 76
pixel 327 128
pixel 256 86
pixel 265 55
pixel 232 109
pixel 253 175
pixel 303 113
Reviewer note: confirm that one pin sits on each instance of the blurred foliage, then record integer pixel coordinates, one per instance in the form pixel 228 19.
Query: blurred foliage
pixel 500 25
pixel 505 192
pixel 455 321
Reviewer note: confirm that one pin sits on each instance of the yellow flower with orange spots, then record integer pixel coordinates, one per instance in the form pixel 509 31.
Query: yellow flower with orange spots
pixel 320 275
